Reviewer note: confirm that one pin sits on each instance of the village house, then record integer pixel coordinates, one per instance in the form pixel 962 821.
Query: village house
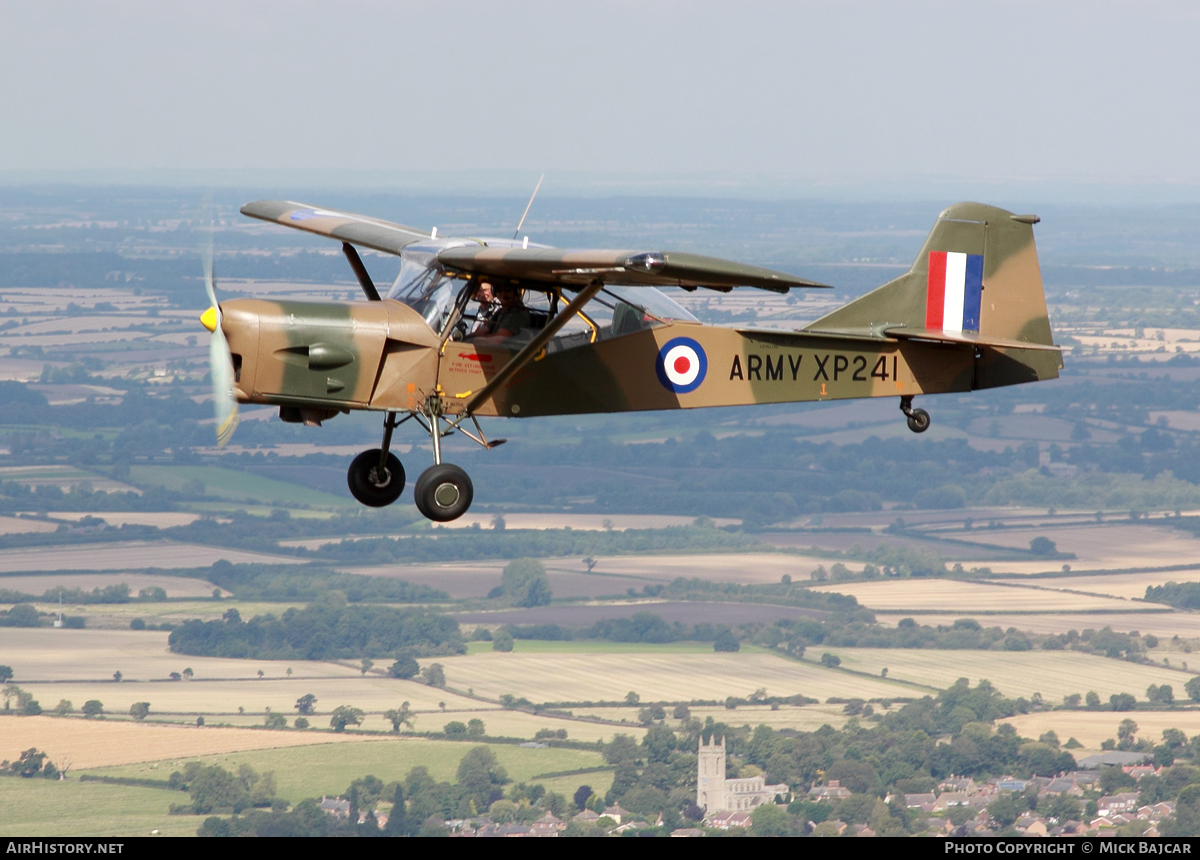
pixel 1113 804
pixel 831 791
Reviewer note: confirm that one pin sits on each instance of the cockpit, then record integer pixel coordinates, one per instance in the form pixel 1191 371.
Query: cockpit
pixel 448 298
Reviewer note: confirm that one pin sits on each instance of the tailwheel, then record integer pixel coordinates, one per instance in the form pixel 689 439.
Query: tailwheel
pixel 918 421
pixel 443 492
pixel 376 480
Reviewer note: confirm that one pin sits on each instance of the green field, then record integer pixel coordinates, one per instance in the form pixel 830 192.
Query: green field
pixel 234 486
pixel 42 807
pixel 312 771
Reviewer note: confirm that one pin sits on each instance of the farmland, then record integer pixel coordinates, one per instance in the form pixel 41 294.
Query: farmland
pixel 1015 673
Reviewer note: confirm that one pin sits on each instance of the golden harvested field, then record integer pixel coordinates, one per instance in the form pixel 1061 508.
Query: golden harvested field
pixel 371 693
pixel 158 519
pixel 1092 727
pixel 1124 585
pixel 1054 674
pixel 1100 545
pixel 175 586
pixel 808 718
pixel 734 567
pixel 943 595
pixel 20 525
pixel 1162 624
pixel 102 743
pixel 45 654
pixel 581 522
pixel 129 556
pixel 670 676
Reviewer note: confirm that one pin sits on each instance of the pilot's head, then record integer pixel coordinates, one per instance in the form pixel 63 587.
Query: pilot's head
pixel 507 294
pixel 484 294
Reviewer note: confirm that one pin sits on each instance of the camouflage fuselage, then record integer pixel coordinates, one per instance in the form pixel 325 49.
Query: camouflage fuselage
pixel 384 356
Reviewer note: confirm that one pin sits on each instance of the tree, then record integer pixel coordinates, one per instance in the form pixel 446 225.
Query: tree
pixel 305 704
pixel 1043 546
pixel 476 729
pixel 92 708
pixel 300 723
pixel 23 615
pixel 1093 699
pixel 117 676
pixel 726 641
pixel 1127 731
pixel 366 664
pixel 769 820
pixel 479 774
pixel 63 708
pixel 275 721
pixel 681 712
pixel 589 563
pixel 1122 702
pixel 29 764
pixel 397 824
pixel 344 715
pixel 581 797
pixel 524 583
pixel 455 729
pixel 139 710
pixel 434 675
pixel 632 698
pixel 397 716
pixel 6 674
pixel 404 668
pixel 503 641
pixel 831 661
pixel 1192 688
pixel 188 673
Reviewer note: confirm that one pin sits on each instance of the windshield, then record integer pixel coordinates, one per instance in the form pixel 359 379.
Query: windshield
pixel 422 285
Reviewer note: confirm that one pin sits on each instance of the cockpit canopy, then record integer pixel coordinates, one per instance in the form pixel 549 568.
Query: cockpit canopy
pixel 424 285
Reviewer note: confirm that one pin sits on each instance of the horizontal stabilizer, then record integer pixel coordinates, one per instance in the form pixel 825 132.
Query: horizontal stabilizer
pixel 907 333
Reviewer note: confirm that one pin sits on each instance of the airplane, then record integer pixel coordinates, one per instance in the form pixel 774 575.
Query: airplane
pixel 592 333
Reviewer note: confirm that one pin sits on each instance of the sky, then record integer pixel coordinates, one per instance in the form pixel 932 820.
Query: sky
pixel 852 93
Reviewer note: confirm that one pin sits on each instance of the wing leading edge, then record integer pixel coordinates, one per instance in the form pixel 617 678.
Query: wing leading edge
pixel 373 233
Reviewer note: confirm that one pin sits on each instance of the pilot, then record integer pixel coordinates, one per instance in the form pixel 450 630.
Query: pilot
pixel 488 307
pixel 507 320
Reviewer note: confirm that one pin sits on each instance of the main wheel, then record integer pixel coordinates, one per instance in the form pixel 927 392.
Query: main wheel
pixel 371 485
pixel 443 493
pixel 918 421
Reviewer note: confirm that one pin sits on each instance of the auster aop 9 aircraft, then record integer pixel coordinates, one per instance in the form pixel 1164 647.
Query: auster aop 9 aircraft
pixel 586 331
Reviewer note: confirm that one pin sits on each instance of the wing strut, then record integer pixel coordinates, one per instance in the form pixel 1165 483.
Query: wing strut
pixel 360 272
pixel 535 346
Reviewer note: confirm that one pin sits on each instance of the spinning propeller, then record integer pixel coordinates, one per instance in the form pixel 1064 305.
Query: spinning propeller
pixel 220 359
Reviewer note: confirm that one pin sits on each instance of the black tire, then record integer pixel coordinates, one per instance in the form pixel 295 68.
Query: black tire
pixel 369 486
pixel 918 421
pixel 443 493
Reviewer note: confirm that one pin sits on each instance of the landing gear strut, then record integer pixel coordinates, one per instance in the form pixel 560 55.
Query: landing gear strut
pixel 918 419
pixel 376 477
pixel 444 491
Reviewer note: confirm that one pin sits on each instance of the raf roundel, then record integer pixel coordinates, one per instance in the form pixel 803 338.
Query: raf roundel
pixel 681 365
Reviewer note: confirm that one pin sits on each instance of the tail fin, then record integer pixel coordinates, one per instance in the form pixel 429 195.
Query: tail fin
pixel 976 280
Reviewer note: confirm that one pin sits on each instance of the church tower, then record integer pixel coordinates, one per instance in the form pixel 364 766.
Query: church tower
pixel 710 776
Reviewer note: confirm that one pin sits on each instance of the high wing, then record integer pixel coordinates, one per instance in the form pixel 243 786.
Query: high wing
pixel 548 265
pixel 373 233
pixel 625 268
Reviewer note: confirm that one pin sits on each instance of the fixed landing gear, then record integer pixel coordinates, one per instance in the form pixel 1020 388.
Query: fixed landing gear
pixel 443 492
pixel 918 419
pixel 376 477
